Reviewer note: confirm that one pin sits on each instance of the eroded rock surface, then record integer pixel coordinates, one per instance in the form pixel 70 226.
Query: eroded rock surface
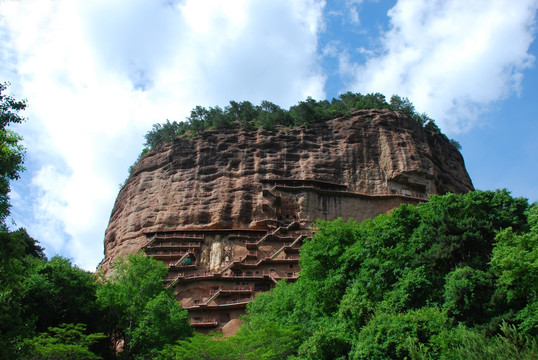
pixel 259 180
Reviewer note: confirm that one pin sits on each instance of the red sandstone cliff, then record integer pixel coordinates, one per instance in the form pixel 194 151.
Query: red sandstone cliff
pixel 215 180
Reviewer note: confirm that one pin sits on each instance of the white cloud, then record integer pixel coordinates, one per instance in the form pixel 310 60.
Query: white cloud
pixel 98 74
pixel 453 58
pixel 353 11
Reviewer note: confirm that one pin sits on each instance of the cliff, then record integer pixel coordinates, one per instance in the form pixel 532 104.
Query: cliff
pixel 226 189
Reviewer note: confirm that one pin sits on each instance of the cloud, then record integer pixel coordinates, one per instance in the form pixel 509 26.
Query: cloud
pixel 98 74
pixel 453 59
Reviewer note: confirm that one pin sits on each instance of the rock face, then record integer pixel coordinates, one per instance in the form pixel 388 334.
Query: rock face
pixel 234 202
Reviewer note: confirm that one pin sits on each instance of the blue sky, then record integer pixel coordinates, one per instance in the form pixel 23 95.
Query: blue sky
pixel 97 74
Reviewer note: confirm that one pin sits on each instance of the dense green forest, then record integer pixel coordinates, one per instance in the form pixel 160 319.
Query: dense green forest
pixel 453 278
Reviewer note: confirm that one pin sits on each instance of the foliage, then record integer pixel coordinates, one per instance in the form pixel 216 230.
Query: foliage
pixel 268 115
pixel 14 246
pixel 455 143
pixel 266 340
pixel 508 344
pixel 31 245
pixel 13 267
pixel 58 292
pixel 11 150
pixel 415 282
pixel 199 347
pixel 141 311
pixel 162 322
pixel 37 294
pixel 165 132
pixel 254 341
pixel 66 341
pixel 388 335
pixel 515 263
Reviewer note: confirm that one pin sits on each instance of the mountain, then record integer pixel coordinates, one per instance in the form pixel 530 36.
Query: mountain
pixel 228 209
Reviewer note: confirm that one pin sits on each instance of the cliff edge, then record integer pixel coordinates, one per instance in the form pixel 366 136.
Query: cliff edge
pixel 214 180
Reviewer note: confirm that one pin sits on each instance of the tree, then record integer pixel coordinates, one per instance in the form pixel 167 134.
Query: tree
pixel 13 268
pixel 515 260
pixel 163 133
pixel 13 248
pixel 254 341
pixel 66 341
pixel 31 245
pixel 414 282
pixel 244 112
pixel 388 335
pixel 199 347
pixel 198 118
pixel 398 103
pixel 270 115
pixel 218 119
pixel 141 310
pixel 11 151
pixel 58 292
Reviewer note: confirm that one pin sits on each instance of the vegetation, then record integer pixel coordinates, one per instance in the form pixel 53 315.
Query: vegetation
pixel 54 310
pixel 67 342
pixel 140 311
pixel 453 278
pixel 417 281
pixel 254 341
pixel 50 309
pixel 268 115
pixel 11 150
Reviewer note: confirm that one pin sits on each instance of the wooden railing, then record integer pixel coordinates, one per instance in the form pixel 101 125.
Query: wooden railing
pixel 204 322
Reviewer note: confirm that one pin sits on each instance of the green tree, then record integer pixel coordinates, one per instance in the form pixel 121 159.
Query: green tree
pixel 244 112
pixel 218 118
pixel 395 285
pixel 309 111
pixel 467 291
pixel 509 344
pixel 165 132
pixel 31 245
pixel 198 118
pixel 270 115
pixel 58 292
pixel 200 347
pixel 398 103
pixel 254 341
pixel 266 340
pixel 388 336
pixel 13 270
pixel 327 341
pixel 515 262
pixel 141 311
pixel 11 150
pixel 13 247
pixel 67 341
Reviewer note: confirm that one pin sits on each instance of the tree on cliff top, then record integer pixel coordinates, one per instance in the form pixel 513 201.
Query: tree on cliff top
pixel 268 115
